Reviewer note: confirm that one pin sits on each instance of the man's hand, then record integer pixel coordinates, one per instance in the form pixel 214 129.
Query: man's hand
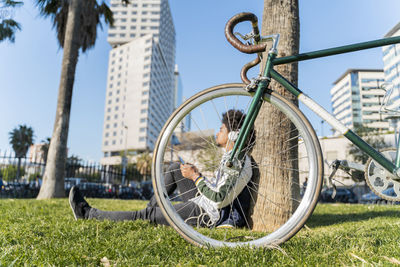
pixel 189 171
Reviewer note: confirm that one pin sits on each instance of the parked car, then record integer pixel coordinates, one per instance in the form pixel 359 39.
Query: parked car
pixel 146 189
pixel 343 195
pixel 372 198
pixel 92 189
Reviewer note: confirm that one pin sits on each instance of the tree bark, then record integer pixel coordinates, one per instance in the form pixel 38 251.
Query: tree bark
pixel 18 169
pixel 53 179
pixel 278 183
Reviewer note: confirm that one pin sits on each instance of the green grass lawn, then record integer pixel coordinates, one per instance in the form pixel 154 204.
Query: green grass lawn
pixel 36 232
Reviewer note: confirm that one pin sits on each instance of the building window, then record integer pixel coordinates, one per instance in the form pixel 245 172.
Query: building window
pixel 143 111
pixel 143 120
pixel 106 143
pixel 107 126
pixel 133 20
pixel 116 108
pixel 144 101
pixel 113 142
pixel 142 139
pixel 132 35
pixel 106 135
pixel 114 133
pixel 115 125
pixel 109 110
pixel 145 92
pixel 108 118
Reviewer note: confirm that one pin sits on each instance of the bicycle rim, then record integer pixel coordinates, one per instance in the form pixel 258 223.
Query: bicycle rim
pixel 204 113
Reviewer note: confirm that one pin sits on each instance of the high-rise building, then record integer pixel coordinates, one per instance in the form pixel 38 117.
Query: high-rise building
pixel 391 59
pixel 186 122
pixel 391 62
pixel 357 96
pixel 140 92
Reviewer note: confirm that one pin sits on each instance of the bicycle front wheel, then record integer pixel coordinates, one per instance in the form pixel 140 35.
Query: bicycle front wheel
pixel 189 134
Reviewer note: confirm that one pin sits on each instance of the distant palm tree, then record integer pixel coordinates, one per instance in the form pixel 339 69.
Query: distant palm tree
pixel 8 26
pixel 21 138
pixel 45 148
pixel 76 24
pixel 143 164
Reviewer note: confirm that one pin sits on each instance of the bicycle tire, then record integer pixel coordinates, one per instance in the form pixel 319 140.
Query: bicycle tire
pixel 307 137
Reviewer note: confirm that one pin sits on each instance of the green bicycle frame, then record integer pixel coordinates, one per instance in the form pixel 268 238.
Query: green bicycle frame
pixel 269 73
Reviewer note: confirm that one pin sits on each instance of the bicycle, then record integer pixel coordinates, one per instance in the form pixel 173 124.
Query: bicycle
pixel 204 108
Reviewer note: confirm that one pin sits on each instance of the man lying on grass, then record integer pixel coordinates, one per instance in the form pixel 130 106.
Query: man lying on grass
pixel 218 201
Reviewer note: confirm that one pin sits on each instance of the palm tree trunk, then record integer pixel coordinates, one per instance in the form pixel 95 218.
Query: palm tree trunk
pixel 18 169
pixel 280 185
pixel 53 180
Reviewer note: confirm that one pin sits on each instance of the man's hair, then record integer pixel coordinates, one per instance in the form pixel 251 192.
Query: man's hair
pixel 233 120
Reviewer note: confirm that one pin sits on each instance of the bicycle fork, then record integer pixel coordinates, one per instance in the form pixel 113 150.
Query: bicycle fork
pixel 253 111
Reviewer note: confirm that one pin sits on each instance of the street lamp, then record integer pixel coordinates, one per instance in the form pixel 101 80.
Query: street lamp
pixel 124 158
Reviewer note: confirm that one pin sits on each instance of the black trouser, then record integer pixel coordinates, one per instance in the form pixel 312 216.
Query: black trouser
pixel 173 180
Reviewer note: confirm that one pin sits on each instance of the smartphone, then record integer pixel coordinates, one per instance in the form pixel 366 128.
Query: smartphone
pixel 181 160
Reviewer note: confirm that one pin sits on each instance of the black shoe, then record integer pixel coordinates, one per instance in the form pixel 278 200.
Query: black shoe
pixel 78 204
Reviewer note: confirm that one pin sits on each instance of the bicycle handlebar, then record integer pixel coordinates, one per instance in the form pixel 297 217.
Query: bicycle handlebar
pixel 235 42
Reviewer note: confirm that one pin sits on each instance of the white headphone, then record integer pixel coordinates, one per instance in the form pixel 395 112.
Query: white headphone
pixel 233 136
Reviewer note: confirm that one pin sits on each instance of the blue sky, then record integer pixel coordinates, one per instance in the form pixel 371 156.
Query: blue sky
pixel 30 67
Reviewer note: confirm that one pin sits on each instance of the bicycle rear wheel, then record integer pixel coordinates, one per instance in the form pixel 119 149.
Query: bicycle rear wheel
pixel 189 133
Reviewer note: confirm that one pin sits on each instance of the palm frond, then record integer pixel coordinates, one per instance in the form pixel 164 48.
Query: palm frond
pixel 91 16
pixel 8 27
pixel 11 3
